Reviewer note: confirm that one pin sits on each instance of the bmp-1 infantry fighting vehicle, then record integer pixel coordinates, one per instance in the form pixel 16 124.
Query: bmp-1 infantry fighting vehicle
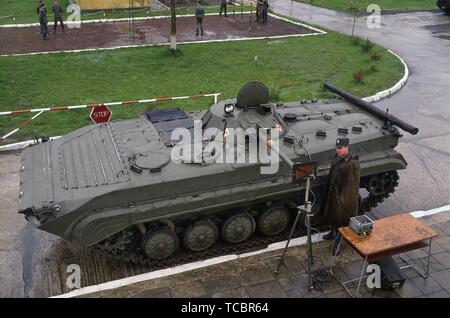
pixel 444 5
pixel 119 186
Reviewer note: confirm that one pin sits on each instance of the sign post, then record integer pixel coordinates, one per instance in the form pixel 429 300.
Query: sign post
pixel 100 114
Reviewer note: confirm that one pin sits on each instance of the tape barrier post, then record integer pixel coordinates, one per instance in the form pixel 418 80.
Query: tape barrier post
pixel 20 127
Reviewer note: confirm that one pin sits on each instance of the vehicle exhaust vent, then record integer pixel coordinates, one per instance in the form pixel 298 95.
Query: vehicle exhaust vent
pixel 357 129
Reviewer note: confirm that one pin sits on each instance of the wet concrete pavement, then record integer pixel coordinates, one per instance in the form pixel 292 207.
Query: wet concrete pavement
pixel 33 263
pixel 11 271
pixel 254 277
pixel 422 39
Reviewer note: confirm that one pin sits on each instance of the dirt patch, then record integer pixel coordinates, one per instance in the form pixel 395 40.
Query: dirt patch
pixel 105 35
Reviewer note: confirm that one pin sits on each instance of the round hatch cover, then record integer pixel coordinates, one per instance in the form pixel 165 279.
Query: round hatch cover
pixel 290 117
pixel 252 94
pixel 152 160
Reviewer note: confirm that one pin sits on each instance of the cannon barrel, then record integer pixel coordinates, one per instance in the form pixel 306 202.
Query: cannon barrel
pixel 372 109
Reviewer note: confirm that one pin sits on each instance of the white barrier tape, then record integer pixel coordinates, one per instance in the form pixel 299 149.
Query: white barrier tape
pixel 20 127
pixel 127 102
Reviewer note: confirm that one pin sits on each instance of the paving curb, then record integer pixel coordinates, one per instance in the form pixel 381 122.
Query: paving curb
pixel 390 91
pixel 22 144
pixel 316 31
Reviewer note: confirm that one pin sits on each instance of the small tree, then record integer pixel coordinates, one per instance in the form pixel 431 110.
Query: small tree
pixel 355 7
pixel 173 26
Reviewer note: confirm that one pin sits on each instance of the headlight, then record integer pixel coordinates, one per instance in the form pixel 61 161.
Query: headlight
pixel 228 109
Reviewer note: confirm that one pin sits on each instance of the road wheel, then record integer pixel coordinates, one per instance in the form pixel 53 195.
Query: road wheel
pixel 238 228
pixel 160 244
pixel 382 183
pixel 273 220
pixel 201 235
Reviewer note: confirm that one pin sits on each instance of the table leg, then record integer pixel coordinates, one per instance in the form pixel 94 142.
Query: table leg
pixel 413 266
pixel 428 261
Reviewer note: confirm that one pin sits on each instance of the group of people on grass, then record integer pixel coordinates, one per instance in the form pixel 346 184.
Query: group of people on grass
pixel 262 10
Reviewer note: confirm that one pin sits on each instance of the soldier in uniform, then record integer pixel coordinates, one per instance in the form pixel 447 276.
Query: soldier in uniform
pixel 199 15
pixel 265 10
pixel 342 194
pixel 57 11
pixel 259 4
pixel 38 8
pixel 43 21
pixel 223 7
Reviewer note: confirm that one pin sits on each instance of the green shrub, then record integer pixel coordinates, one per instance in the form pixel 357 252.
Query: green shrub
pixel 367 46
pixel 373 69
pixel 376 56
pixel 274 95
pixel 355 40
pixel 358 76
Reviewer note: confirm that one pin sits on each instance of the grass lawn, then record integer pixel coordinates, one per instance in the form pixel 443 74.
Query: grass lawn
pixel 25 11
pixel 344 5
pixel 292 68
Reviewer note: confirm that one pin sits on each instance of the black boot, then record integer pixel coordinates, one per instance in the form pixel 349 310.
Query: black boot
pixel 330 236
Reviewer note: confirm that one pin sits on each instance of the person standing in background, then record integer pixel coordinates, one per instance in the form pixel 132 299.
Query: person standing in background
pixel 43 21
pixel 199 15
pixel 57 12
pixel 265 10
pixel 223 7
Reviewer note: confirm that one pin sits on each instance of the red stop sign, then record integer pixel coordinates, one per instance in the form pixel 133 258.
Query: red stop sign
pixel 100 114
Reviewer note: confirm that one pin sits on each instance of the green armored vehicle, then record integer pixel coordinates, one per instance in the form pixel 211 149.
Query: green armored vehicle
pixel 144 185
pixel 444 5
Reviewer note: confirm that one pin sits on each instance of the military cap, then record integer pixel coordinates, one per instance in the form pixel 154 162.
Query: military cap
pixel 342 142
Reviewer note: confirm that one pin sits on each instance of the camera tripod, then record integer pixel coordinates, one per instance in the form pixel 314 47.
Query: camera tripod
pixel 306 208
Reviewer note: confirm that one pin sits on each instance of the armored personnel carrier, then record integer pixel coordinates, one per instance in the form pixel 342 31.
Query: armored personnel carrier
pixel 444 5
pixel 132 186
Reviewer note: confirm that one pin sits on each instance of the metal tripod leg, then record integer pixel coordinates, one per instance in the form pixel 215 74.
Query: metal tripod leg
pixel 288 241
pixel 334 256
pixel 308 214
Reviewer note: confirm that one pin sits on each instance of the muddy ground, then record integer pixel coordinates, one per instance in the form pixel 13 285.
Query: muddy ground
pixel 105 35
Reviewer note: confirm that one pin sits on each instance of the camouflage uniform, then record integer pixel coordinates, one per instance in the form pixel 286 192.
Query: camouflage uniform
pixel 223 7
pixel 43 21
pixel 265 11
pixel 57 11
pixel 199 14
pixel 38 8
pixel 259 4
